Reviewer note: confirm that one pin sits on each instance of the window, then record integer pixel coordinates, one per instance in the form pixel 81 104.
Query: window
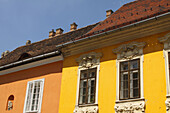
pixel 87 86
pixel 10 102
pixel 87 83
pixel 129 82
pixel 34 96
pixel 130 79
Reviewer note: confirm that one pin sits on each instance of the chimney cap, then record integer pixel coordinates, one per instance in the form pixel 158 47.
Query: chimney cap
pixel 59 29
pixel 28 42
pixel 74 24
pixel 109 12
pixel 52 31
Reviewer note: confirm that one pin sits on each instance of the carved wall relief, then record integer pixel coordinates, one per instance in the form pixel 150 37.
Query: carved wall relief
pixel 88 109
pixel 166 41
pixel 130 107
pixel 129 50
pixel 167 103
pixel 89 60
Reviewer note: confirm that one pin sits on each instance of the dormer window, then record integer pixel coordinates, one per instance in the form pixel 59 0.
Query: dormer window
pixel 24 56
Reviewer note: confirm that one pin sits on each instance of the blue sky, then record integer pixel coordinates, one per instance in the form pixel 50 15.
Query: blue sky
pixel 22 20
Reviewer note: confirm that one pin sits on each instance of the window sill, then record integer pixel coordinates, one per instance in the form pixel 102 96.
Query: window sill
pixel 130 105
pixel 88 108
pixel 86 105
pixel 130 100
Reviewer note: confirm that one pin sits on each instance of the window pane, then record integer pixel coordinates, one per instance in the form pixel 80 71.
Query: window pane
pixel 29 96
pixel 83 75
pixel 124 85
pixel 92 74
pixel 82 99
pixel 134 64
pixel 90 99
pixel 134 84
pixel 124 66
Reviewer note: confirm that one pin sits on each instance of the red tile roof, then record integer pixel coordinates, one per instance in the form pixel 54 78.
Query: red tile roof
pixel 130 13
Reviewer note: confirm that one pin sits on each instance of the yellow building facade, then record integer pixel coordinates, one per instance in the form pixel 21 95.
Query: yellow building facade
pixel 143 41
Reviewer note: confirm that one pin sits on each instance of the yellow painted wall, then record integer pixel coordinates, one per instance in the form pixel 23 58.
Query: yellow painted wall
pixel 16 84
pixel 153 70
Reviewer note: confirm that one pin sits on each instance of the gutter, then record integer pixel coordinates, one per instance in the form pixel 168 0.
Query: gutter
pixel 106 32
pixel 29 60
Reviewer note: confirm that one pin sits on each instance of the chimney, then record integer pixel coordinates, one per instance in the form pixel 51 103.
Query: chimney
pixel 108 13
pixel 59 31
pixel 28 42
pixel 51 33
pixel 5 53
pixel 73 26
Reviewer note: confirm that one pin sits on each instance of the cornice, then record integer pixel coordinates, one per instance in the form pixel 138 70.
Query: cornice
pixel 120 35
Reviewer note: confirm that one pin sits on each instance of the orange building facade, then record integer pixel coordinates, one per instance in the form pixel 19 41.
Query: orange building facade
pixel 16 84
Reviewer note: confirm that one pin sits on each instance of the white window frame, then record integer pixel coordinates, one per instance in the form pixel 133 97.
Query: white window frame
pixel 97 84
pixel 141 77
pixel 41 96
pixel 165 52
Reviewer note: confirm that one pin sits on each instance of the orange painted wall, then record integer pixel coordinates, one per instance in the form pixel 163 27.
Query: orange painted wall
pixel 16 84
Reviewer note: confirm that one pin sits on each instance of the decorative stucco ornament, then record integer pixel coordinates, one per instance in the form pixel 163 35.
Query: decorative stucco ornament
pixel 89 60
pixel 87 109
pixel 130 107
pixel 166 41
pixel 167 103
pixel 130 50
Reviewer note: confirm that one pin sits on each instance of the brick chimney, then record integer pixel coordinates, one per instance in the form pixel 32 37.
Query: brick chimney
pixel 51 33
pixel 108 13
pixel 73 26
pixel 28 42
pixel 59 31
pixel 5 53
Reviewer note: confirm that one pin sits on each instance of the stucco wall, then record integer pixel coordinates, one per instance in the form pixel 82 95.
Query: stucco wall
pixel 16 84
pixel 153 72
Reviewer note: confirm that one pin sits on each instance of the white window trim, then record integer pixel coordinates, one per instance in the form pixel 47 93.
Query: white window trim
pixel 165 52
pixel 141 78
pixel 42 89
pixel 97 84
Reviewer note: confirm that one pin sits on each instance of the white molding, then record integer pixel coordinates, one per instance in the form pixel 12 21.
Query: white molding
pixel 41 91
pixel 31 65
pixel 130 50
pixel 87 109
pixel 137 106
pixel 165 52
